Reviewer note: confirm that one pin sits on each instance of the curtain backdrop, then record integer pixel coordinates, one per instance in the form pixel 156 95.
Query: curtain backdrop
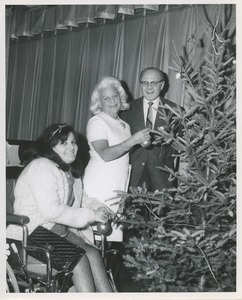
pixel 57 55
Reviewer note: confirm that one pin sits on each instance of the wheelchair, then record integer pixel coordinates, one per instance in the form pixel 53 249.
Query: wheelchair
pixel 25 274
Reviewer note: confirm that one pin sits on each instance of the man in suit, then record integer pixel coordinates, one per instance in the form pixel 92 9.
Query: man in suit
pixel 145 160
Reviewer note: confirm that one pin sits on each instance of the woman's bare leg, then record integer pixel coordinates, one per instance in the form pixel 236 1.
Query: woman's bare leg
pixel 82 276
pixel 90 274
pixel 98 269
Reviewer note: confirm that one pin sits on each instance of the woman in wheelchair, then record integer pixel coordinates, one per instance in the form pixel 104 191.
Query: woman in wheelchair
pixel 50 192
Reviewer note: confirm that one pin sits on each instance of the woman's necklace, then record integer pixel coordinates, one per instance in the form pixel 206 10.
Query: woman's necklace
pixel 116 118
pixel 122 123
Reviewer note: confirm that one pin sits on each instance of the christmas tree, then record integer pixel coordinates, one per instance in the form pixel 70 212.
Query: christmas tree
pixel 186 240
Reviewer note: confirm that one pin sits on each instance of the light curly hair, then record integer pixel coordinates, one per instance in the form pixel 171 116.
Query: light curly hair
pixel 105 83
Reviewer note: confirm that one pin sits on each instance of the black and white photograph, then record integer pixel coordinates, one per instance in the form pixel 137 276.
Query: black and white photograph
pixel 120 150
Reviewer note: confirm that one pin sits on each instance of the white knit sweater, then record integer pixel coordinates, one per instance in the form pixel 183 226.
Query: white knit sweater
pixel 41 193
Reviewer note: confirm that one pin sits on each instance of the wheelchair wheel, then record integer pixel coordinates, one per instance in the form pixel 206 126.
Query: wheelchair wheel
pixel 12 283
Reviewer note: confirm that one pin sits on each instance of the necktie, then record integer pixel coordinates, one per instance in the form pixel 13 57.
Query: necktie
pixel 149 118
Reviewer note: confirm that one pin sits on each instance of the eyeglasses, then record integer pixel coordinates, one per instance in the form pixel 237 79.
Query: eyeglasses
pixel 152 83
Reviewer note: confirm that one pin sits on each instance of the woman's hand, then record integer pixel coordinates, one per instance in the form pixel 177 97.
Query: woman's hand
pixel 140 136
pixel 104 214
pixel 111 213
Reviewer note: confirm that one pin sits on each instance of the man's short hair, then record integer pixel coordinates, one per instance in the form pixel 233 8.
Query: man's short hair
pixel 162 76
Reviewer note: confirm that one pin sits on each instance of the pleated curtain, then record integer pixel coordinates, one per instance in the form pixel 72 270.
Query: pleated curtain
pixel 57 54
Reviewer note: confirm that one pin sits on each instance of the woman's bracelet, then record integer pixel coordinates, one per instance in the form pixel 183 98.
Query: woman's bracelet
pixel 123 146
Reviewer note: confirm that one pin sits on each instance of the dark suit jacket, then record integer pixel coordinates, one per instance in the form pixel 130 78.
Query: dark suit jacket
pixel 153 156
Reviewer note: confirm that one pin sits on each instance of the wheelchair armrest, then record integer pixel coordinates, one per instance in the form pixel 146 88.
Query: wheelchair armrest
pixel 20 220
pixel 38 248
pixel 16 219
pixel 47 254
pixel 103 242
pixel 96 232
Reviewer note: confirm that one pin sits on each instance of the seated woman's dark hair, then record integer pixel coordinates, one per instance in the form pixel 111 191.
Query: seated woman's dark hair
pixel 27 152
pixel 50 137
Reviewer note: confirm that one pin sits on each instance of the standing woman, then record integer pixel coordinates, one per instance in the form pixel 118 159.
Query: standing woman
pixel 49 191
pixel 110 141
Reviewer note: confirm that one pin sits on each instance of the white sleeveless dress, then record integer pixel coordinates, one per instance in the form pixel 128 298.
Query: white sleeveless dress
pixel 102 179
